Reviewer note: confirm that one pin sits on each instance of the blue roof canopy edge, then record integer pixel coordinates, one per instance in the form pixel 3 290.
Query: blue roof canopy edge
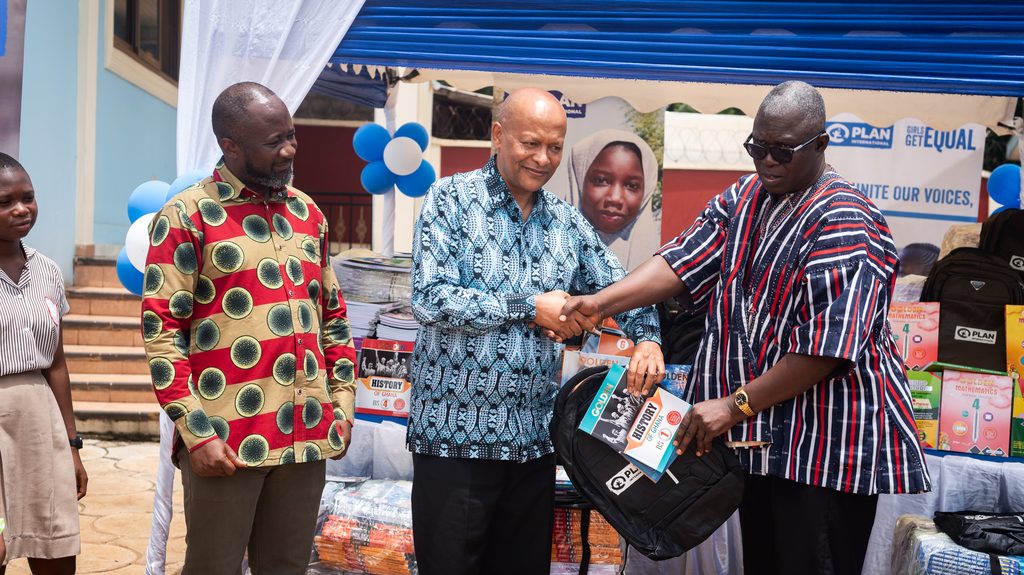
pixel 939 46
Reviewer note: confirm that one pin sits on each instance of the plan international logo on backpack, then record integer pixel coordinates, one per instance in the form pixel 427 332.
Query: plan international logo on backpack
pixel 973 334
pixel 858 135
pixel 1017 263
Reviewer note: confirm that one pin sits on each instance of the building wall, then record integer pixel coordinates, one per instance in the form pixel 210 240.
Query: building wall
pixel 48 122
pixel 685 193
pixel 135 142
pixel 456 159
pixel 328 169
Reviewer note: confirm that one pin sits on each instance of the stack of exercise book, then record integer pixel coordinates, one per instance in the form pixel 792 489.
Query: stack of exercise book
pixel 369 531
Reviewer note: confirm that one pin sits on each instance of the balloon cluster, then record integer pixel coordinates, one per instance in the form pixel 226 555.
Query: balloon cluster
pixel 1004 187
pixel 394 160
pixel 143 203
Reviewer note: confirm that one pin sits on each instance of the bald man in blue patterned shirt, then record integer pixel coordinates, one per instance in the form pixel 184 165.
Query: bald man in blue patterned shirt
pixel 495 257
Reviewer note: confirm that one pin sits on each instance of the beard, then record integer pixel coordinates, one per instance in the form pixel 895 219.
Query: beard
pixel 272 180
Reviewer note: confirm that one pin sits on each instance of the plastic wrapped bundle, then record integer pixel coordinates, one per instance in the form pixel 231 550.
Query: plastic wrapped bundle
pixel 369 530
pixel 908 288
pixel 374 279
pixel 959 236
pixel 919 548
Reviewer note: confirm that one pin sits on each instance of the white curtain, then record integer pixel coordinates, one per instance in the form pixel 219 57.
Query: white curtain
pixel 282 44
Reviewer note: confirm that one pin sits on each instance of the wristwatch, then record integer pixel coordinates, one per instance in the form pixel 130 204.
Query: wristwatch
pixel 743 402
pixel 76 442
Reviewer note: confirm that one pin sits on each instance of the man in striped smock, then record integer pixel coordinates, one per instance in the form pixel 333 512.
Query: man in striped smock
pixel 797 369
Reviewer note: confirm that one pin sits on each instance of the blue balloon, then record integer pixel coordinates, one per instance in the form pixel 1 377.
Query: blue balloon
pixel 369 142
pixel 130 277
pixel 415 131
pixel 1004 185
pixel 185 180
pixel 417 183
pixel 148 197
pixel 1000 209
pixel 377 178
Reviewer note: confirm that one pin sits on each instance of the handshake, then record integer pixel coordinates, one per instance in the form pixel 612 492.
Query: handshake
pixel 562 316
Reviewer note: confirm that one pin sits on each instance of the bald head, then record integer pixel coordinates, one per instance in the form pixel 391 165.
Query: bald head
pixel 530 104
pixel 231 108
pixel 527 135
pixel 796 99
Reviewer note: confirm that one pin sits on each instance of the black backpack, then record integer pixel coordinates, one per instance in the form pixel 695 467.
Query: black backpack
pixel 995 533
pixel 681 331
pixel 1003 235
pixel 663 519
pixel 973 288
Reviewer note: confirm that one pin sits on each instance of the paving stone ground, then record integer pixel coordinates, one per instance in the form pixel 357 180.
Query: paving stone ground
pixel 116 514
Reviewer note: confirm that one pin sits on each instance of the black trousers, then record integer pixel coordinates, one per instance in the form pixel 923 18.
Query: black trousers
pixel 790 528
pixel 482 517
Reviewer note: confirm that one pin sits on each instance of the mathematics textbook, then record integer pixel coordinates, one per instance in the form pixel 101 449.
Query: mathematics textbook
pixel 641 429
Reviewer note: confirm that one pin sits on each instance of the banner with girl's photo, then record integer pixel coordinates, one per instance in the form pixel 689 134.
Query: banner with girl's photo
pixel 611 171
pixel 12 44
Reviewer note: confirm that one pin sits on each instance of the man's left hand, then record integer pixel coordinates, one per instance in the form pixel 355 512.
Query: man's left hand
pixel 646 368
pixel 344 428
pixel 706 421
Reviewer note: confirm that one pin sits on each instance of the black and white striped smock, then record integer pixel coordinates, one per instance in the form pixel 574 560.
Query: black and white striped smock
pixel 30 314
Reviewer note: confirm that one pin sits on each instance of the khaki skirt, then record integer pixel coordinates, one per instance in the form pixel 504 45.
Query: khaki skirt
pixel 38 496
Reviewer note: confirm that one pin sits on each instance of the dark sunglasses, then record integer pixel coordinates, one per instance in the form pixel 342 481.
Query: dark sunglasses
pixel 781 154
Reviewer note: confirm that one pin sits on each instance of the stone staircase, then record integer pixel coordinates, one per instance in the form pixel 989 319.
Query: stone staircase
pixel 110 383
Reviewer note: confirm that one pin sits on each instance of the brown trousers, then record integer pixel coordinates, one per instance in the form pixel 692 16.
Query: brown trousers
pixel 271 511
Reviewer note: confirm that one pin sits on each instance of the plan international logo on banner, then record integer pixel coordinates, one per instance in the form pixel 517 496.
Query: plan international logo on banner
pixel 858 134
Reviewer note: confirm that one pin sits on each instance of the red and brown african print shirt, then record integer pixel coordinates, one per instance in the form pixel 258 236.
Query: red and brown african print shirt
pixel 245 327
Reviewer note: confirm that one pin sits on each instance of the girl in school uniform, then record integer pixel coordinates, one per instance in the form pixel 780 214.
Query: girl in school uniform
pixel 41 473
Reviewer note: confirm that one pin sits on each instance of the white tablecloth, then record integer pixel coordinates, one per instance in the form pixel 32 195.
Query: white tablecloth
pixel 958 483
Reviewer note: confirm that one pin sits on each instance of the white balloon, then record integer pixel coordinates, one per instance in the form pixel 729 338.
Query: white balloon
pixel 136 241
pixel 402 156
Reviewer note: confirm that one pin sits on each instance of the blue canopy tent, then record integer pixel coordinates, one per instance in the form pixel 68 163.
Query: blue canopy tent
pixel 939 47
pixel 945 46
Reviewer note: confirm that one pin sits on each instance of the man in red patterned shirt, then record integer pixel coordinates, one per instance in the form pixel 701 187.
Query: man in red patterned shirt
pixel 249 345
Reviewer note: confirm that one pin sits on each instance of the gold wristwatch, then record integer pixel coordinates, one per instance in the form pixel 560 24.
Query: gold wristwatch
pixel 743 402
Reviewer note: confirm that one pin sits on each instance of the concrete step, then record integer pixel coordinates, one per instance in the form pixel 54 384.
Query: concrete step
pixel 112 388
pixel 95 272
pixel 104 301
pixel 102 330
pixel 124 420
pixel 106 359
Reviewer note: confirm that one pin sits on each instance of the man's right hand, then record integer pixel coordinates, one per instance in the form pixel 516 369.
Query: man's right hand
pixel 583 310
pixel 215 459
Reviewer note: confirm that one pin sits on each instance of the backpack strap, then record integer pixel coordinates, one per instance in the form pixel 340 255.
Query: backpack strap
pixel 994 565
pixel 585 540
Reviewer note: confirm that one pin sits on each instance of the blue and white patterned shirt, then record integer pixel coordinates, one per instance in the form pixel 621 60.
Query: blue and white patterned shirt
pixel 483 380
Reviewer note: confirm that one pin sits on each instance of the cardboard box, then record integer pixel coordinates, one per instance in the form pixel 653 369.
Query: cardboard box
pixel 915 327
pixel 975 413
pixel 1014 369
pixel 926 395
